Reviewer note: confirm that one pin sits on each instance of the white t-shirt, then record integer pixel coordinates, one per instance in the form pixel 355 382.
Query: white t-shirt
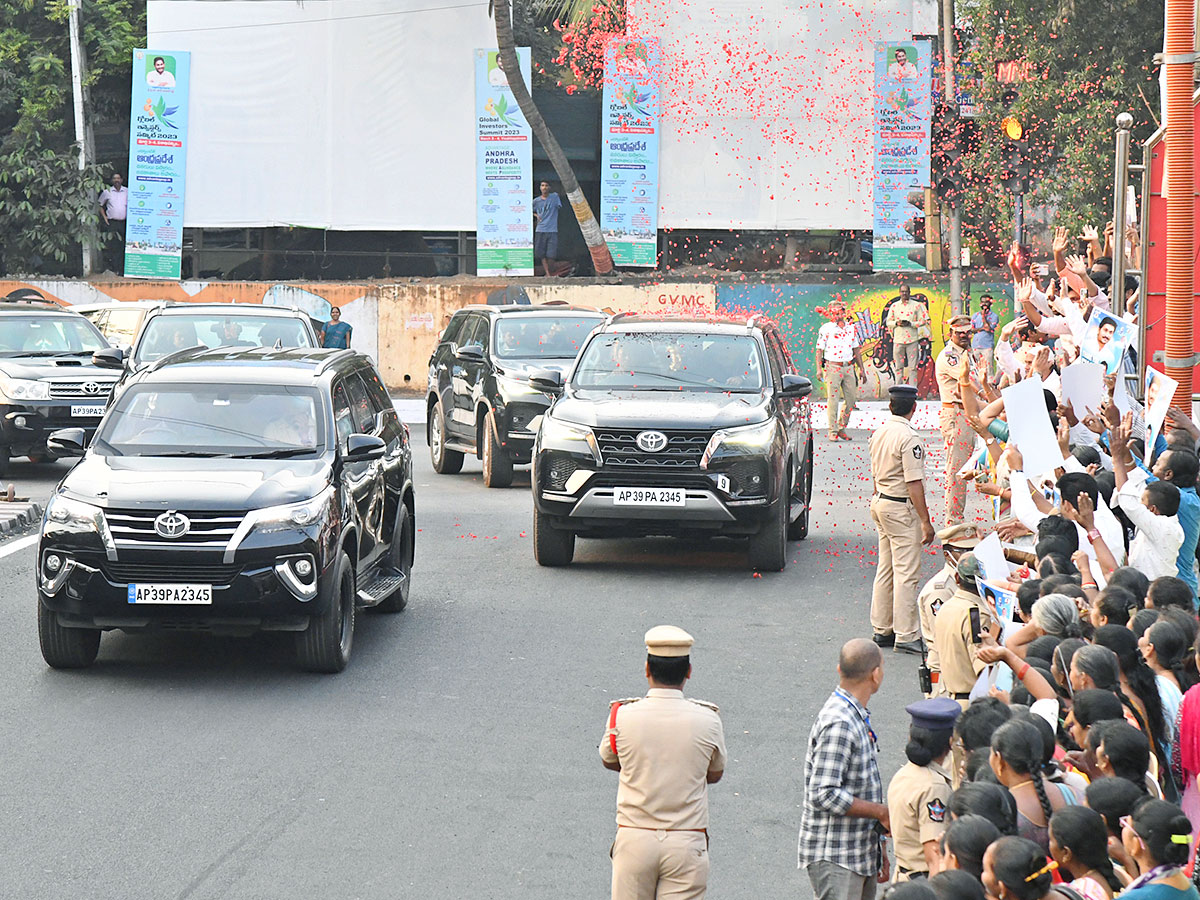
pixel 115 202
pixel 837 342
pixel 163 80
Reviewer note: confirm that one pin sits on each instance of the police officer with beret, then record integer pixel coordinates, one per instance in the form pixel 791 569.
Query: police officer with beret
pixel 920 791
pixel 667 748
pixel 901 519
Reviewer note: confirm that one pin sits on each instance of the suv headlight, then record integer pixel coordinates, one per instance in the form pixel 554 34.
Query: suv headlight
pixel 555 434
pixel 516 388
pixel 64 515
pixel 744 439
pixel 291 516
pixel 24 389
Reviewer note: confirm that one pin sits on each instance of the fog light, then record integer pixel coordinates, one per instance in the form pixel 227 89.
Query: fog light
pixel 19 421
pixel 53 562
pixel 755 479
pixel 303 567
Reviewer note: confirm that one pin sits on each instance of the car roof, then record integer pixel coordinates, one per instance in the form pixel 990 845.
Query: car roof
pixel 534 309
pixel 235 309
pixel 36 307
pixel 680 324
pixel 262 365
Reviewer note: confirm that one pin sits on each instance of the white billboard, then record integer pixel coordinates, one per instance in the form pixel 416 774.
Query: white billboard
pixel 767 106
pixel 340 114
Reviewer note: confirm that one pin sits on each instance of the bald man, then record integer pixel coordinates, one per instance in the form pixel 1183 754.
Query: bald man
pixel 845 816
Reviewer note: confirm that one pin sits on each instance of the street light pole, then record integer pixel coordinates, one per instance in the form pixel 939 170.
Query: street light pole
pixel 82 136
pixel 1116 289
pixel 956 299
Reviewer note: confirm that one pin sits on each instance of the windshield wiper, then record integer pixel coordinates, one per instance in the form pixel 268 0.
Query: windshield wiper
pixel 281 453
pixel 74 353
pixel 204 454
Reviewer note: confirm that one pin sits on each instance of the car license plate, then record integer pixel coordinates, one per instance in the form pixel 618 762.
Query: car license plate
pixel 88 410
pixel 171 594
pixel 631 496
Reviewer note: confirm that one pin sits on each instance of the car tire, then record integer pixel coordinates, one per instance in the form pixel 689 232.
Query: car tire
pixel 65 648
pixel 768 548
pixel 326 644
pixel 497 462
pixel 400 558
pixel 551 546
pixel 445 461
pixel 798 530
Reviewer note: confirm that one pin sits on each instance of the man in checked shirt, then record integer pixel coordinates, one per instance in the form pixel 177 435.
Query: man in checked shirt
pixel 845 817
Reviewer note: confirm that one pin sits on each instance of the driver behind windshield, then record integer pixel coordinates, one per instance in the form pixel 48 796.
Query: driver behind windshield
pixel 293 427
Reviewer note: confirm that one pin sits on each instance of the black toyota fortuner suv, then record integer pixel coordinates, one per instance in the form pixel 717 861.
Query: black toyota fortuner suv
pixel 675 427
pixel 232 490
pixel 480 400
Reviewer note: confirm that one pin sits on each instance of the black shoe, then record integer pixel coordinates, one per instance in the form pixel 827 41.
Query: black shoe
pixel 915 647
pixel 884 640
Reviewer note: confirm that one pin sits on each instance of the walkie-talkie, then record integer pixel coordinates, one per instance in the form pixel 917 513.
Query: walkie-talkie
pixel 924 675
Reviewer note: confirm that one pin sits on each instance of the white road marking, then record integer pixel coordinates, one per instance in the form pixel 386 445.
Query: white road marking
pixel 18 545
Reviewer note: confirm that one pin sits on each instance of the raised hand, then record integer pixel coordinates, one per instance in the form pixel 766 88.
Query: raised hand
pixel 1089 233
pixel 1061 241
pixel 1076 264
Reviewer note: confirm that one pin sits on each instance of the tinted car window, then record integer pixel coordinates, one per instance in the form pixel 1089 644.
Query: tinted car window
pixel 166 334
pixel 47 335
pixel 343 420
pixel 375 389
pixel 360 405
pixel 470 331
pixel 533 337
pixel 671 361
pixel 121 326
pixel 227 419
pixel 455 327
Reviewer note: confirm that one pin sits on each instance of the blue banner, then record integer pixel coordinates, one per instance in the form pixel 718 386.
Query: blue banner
pixel 629 164
pixel 503 171
pixel 157 163
pixel 903 111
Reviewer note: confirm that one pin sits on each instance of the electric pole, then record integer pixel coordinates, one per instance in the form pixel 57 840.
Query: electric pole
pixel 951 101
pixel 83 132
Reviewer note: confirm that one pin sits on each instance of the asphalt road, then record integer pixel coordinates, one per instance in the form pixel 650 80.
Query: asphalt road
pixel 456 757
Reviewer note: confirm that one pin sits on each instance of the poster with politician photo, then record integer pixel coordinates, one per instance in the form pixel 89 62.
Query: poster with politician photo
pixel 1160 390
pixel 1106 338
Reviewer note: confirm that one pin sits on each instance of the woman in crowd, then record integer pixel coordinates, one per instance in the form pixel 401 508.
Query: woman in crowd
pixel 1016 869
pixel 1165 648
pixel 1098 667
pixel 964 843
pixel 956 885
pixel 1079 844
pixel 1158 837
pixel 1017 763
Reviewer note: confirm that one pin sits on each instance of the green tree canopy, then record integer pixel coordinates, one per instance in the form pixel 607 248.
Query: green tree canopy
pixel 48 204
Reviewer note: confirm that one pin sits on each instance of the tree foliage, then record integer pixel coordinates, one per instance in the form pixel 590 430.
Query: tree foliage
pixel 49 205
pixel 1086 63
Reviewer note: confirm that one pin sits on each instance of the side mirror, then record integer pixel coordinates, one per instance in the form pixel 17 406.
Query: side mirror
pixel 110 358
pixel 548 380
pixel 470 353
pixel 67 442
pixel 363 447
pixel 795 386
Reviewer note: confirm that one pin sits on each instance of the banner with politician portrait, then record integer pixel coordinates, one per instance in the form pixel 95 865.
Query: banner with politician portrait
pixel 157 163
pixel 503 171
pixel 903 113
pixel 629 156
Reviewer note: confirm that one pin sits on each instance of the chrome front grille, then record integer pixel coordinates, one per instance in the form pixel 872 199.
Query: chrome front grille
pixel 86 388
pixel 206 529
pixel 618 447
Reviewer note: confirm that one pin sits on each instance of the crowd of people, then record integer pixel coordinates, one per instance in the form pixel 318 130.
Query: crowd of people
pixel 1057 747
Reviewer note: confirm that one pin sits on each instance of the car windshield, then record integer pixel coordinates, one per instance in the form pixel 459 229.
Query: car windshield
pixel 523 336
pixel 666 361
pixel 48 336
pixel 239 420
pixel 166 334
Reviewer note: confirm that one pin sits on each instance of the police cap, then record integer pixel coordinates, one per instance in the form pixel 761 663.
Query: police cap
pixel 903 391
pixel 960 323
pixel 936 714
pixel 963 536
pixel 667 640
pixel 969 568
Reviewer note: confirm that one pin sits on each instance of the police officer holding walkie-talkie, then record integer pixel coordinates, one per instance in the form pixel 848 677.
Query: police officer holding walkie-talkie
pixel 955 540
pixel 959 630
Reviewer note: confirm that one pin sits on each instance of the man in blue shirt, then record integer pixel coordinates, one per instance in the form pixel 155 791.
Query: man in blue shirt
pixel 1180 468
pixel 545 235
pixel 336 333
pixel 983 329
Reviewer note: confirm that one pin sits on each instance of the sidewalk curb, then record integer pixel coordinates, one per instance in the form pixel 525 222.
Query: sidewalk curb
pixel 18 516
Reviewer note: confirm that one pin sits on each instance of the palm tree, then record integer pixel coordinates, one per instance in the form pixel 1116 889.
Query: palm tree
pixel 506 44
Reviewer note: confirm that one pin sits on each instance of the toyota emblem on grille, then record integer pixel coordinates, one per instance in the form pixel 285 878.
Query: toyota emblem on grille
pixel 172 524
pixel 652 441
pixel 91 387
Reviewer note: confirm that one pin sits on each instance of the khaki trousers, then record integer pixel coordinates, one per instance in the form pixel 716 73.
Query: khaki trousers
pixel 958 439
pixel 657 865
pixel 840 377
pixel 905 359
pixel 894 597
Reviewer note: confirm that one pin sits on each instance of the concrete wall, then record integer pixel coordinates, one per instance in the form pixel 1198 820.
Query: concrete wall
pixel 398 324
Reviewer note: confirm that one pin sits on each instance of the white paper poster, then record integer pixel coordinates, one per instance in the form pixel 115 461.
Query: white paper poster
pixel 1160 389
pixel 1029 427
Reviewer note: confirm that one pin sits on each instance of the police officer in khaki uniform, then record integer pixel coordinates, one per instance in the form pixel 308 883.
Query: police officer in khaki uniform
pixel 958 437
pixel 667 748
pixel 919 793
pixel 959 630
pixel 905 319
pixel 901 519
pixel 955 541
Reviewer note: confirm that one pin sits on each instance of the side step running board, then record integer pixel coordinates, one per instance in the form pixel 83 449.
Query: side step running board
pixel 383 582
